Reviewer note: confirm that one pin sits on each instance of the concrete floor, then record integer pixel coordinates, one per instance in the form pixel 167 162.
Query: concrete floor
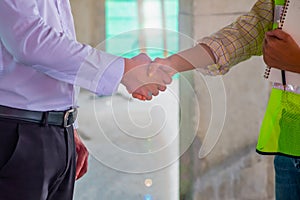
pixel 133 146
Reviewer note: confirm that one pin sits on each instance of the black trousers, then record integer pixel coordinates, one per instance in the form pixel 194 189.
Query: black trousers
pixel 36 162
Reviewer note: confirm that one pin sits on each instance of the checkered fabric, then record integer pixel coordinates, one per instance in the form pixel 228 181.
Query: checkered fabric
pixel 241 39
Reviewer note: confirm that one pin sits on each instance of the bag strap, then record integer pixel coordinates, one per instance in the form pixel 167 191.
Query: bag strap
pixel 283 79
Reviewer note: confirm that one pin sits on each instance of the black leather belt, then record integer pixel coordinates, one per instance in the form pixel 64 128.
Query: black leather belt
pixel 57 118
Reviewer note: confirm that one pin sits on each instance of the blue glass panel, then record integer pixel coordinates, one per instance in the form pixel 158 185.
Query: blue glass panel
pixel 122 16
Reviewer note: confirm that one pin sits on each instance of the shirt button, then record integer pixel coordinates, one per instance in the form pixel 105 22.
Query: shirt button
pixel 35 11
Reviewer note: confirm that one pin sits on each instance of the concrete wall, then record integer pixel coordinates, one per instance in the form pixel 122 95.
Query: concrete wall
pixel 232 170
pixel 89 17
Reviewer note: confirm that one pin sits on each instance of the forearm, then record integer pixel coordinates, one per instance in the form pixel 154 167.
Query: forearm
pixel 33 42
pixel 232 44
pixel 243 38
pixel 199 56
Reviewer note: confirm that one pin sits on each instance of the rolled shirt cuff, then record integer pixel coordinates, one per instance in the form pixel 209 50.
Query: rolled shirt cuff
pixel 111 77
pixel 221 66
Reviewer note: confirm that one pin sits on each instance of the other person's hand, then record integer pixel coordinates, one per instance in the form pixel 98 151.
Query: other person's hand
pixel 281 51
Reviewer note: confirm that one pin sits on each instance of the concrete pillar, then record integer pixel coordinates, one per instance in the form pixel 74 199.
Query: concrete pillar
pixel 187 126
pixel 89 16
pixel 232 170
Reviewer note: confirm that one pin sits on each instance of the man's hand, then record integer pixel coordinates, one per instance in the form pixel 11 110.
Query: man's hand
pixel 82 156
pixel 137 81
pixel 281 51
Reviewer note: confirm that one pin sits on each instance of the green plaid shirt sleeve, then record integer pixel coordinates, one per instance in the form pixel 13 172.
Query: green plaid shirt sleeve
pixel 241 39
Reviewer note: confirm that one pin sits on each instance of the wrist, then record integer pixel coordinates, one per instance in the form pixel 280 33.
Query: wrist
pixel 126 69
pixel 179 64
pixel 198 56
pixel 126 65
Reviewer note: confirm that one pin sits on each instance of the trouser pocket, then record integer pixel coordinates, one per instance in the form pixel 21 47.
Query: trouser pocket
pixel 9 141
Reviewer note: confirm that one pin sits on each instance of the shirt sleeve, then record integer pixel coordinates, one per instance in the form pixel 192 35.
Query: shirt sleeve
pixel 33 43
pixel 241 39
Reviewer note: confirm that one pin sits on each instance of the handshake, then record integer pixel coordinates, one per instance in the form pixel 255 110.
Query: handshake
pixel 144 78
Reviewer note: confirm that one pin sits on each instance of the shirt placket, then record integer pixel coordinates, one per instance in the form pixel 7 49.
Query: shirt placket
pixel 1 58
pixel 63 17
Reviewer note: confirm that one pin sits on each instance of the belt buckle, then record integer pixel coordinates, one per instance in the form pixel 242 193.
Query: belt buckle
pixel 72 111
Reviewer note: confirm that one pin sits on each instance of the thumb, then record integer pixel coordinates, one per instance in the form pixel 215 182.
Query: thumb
pixel 153 67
